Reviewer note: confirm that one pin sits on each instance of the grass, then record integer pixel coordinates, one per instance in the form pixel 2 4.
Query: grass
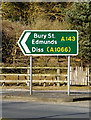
pixel 61 88
pixel 48 87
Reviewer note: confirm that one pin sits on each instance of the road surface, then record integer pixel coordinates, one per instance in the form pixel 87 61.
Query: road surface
pixel 12 109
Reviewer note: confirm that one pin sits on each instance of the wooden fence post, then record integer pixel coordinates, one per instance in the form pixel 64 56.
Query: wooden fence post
pixel 58 76
pixel 76 75
pixel 18 79
pixel 84 82
pixel 4 81
pixel 70 75
pixel 88 77
pixel 28 71
pixel 0 76
pixel 40 79
pixel 44 82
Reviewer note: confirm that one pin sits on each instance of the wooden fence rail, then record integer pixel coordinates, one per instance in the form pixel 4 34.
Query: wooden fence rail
pixel 34 67
pixel 44 78
pixel 55 78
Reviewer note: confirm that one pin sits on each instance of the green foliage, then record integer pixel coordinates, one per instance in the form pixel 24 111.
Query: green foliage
pixel 6 42
pixel 18 16
pixel 27 12
pixel 80 17
pixel 16 11
pixel 11 32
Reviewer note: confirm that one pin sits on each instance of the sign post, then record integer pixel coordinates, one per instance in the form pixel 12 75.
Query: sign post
pixel 68 75
pixel 49 42
pixel 31 75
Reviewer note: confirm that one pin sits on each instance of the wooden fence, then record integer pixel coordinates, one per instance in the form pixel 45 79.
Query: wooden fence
pixel 79 76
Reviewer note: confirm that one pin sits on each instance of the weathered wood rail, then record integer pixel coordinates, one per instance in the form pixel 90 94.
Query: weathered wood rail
pixel 43 78
pixel 55 78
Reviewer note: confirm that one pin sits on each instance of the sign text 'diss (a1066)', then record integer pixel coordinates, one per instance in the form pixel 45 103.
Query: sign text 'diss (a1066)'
pixel 49 42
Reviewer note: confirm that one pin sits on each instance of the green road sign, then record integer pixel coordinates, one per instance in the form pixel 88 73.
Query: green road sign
pixel 49 42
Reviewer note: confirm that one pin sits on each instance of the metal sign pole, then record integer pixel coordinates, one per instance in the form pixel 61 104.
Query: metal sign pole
pixel 68 75
pixel 31 75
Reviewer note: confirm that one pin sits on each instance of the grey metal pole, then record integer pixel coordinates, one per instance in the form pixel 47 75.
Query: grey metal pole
pixel 68 75
pixel 31 75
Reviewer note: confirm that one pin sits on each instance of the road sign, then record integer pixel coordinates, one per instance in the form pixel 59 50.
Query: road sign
pixel 49 42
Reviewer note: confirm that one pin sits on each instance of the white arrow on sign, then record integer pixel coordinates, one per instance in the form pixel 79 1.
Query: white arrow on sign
pixel 23 42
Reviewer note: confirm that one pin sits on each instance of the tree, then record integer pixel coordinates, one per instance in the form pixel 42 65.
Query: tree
pixel 11 32
pixel 16 11
pixel 8 43
pixel 79 17
pixel 29 11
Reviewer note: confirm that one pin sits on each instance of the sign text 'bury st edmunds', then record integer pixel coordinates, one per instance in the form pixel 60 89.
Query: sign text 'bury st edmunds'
pixel 49 42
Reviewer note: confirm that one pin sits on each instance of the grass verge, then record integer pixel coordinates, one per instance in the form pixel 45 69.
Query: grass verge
pixel 48 87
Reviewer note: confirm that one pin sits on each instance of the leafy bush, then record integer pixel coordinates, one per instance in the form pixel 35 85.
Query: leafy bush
pixel 80 17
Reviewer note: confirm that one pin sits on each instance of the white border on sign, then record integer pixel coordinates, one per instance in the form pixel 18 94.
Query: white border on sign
pixel 48 54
